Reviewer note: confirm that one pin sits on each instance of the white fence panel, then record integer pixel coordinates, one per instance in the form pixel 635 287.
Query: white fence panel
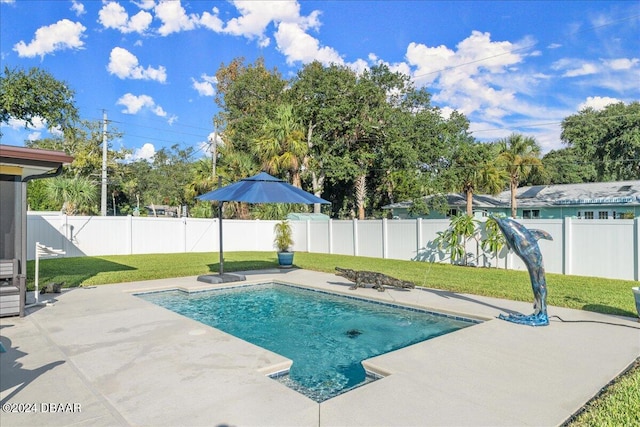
pixel 402 239
pixel 603 248
pixel 599 248
pixel 370 238
pixel 552 250
pixel 202 235
pixel 246 235
pixel 342 237
pixel 95 235
pixel 153 235
pixel 319 236
pixel 428 231
pixel 300 235
pixel 47 230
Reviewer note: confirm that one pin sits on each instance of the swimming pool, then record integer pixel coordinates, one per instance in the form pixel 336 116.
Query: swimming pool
pixel 327 336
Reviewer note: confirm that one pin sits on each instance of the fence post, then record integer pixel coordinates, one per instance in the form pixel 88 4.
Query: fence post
pixel 567 242
pixel 184 233
pixel 355 236
pixel 330 231
pixel 385 248
pixel 129 235
pixel 636 249
pixel 67 233
pixel 419 236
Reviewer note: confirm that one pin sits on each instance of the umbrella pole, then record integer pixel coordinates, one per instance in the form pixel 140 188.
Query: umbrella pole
pixel 220 235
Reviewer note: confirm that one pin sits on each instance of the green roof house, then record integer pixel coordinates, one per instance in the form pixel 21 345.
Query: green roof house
pixel 594 200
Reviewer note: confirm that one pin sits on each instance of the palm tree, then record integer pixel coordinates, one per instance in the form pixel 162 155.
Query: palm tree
pixel 75 195
pixel 519 156
pixel 477 172
pixel 201 179
pixel 236 165
pixel 282 146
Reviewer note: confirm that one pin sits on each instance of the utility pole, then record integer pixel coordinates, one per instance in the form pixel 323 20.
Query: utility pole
pixel 103 199
pixel 214 153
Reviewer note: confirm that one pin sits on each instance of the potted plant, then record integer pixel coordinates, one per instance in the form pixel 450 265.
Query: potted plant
pixel 636 294
pixel 283 241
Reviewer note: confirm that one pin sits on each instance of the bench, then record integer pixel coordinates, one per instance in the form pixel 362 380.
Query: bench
pixel 12 289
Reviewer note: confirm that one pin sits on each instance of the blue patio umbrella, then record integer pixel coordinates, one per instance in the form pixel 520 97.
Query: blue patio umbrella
pixel 261 188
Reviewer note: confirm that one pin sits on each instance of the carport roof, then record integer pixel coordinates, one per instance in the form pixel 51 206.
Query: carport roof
pixel 30 161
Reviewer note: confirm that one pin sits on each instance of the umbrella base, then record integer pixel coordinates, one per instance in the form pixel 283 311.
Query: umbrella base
pixel 221 278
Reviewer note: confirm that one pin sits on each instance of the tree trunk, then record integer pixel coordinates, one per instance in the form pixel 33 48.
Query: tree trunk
pixel 295 179
pixel 469 202
pixel 317 180
pixel 361 194
pixel 514 191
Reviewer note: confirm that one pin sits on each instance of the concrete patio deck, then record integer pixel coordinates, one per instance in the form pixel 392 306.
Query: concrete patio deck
pixel 100 357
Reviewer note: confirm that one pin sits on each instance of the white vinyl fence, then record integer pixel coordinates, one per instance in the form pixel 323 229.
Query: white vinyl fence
pixel 598 248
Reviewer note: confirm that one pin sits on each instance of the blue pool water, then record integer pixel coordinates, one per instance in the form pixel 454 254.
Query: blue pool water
pixel 325 335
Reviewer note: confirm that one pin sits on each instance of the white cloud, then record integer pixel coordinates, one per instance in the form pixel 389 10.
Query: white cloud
pixel 575 67
pixel 445 112
pixel 125 65
pixel 134 104
pixel 7 1
pixel 145 4
pixel 78 8
pixel 174 18
pixel 597 102
pixel 212 21
pixel 34 136
pixel 298 46
pixel 146 152
pixel 37 123
pixel 205 85
pixel 621 63
pixel 584 70
pixel 477 77
pixel 64 34
pixel 256 17
pixel 113 15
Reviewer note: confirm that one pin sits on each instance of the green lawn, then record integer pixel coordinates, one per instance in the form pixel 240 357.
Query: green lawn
pixel 584 293
pixel 618 405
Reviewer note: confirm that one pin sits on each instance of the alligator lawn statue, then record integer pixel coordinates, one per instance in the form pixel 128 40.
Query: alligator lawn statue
pixel 524 243
pixel 378 280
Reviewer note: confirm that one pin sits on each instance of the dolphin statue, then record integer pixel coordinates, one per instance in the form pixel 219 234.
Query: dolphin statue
pixel 524 243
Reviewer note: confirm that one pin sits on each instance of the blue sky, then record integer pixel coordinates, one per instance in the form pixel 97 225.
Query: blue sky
pixel 509 66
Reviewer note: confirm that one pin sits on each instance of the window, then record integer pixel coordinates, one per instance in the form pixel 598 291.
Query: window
pixel 531 213
pixel 452 213
pixel 603 215
pixel 588 215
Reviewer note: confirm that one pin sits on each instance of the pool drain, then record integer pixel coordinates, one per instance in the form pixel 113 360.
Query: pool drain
pixel 352 333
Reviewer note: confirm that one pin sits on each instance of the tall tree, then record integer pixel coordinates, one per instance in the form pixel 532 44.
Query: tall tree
pixel 609 138
pixel 474 171
pixel 28 95
pixel 519 156
pixel 247 96
pixel 563 166
pixel 281 147
pixel 320 95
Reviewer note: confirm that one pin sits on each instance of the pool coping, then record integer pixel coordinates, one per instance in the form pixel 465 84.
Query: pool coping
pixel 129 362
